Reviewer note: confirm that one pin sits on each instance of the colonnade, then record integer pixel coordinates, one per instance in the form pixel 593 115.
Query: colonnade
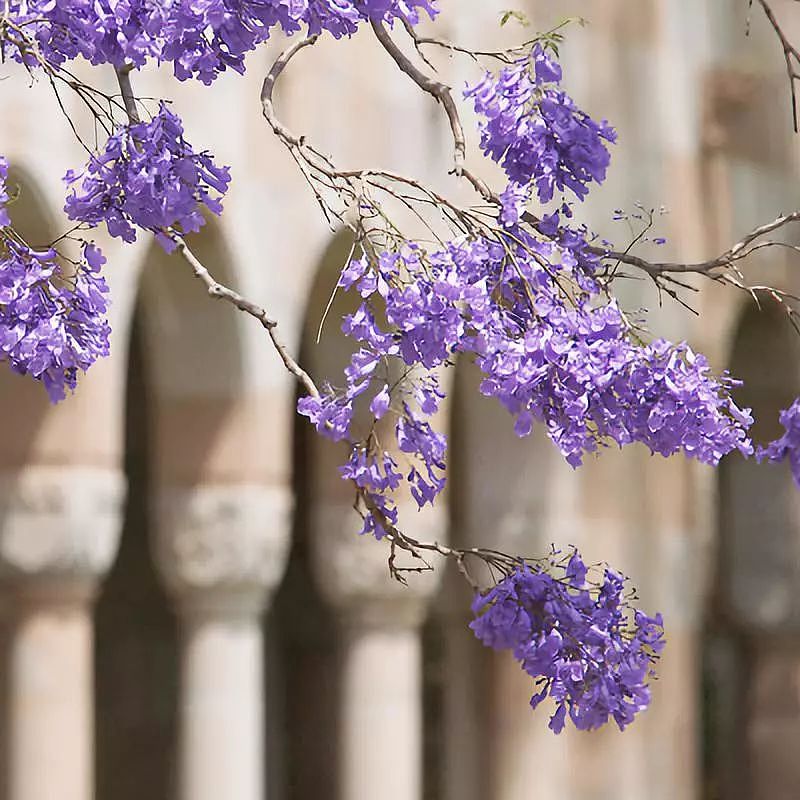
pixel 220 552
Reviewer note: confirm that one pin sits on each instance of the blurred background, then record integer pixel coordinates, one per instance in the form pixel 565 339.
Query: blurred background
pixel 187 611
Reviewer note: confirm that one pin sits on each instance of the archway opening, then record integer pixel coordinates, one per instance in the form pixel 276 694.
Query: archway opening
pixel 481 738
pixel 136 670
pixel 303 684
pixel 752 641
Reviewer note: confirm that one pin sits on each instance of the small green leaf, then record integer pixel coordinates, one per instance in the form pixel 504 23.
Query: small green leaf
pixel 517 16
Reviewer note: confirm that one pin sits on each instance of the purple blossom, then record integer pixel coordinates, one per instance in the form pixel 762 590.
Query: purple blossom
pixel 787 447
pixel 379 474
pixel 331 414
pixel 581 643
pixel 381 402
pixel 148 177
pixel 374 523
pixel 199 39
pixel 552 350
pixel 416 437
pixel 545 68
pixel 428 395
pixel 512 203
pixel 535 131
pixel 353 272
pixel 52 321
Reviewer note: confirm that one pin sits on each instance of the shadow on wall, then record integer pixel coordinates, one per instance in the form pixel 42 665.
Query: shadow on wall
pixel 303 682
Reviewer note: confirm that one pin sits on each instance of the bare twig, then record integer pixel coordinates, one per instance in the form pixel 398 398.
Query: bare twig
pixel 791 56
pixel 268 87
pixel 438 90
pixel 218 291
pixel 128 98
pixel 743 248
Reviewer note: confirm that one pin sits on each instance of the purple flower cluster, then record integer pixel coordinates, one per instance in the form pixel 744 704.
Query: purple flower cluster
pixel 148 177
pixel 580 370
pixel 525 302
pixel 551 350
pixel 788 446
pixel 585 647
pixel 529 312
pixel 415 337
pixel 530 308
pixel 535 131
pixel 200 38
pixel 52 320
pixel 52 323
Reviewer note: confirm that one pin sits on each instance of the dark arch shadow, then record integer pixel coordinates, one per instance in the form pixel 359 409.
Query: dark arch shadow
pixel 752 632
pixel 302 747
pixel 136 672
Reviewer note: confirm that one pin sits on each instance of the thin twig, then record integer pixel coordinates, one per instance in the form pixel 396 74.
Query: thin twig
pixel 791 56
pixel 441 92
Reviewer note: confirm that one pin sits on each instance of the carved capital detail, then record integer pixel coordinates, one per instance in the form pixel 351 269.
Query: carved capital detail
pixel 222 547
pixel 59 526
pixel 352 571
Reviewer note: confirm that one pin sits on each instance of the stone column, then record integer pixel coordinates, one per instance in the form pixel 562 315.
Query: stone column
pixel 381 678
pixel 221 551
pixel 59 530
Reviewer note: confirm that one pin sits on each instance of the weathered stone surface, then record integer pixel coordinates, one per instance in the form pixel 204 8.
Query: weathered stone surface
pixel 58 527
pixel 353 571
pixel 222 544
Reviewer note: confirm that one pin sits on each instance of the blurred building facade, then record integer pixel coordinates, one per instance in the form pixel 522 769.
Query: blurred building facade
pixel 187 611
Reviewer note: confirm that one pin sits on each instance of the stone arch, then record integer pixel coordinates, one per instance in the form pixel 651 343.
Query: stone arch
pixel 66 456
pixel 753 626
pixel 196 366
pixel 24 407
pixel 184 430
pixel 30 213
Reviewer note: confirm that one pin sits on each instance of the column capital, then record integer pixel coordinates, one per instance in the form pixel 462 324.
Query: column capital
pixel 222 548
pixel 352 571
pixel 59 530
